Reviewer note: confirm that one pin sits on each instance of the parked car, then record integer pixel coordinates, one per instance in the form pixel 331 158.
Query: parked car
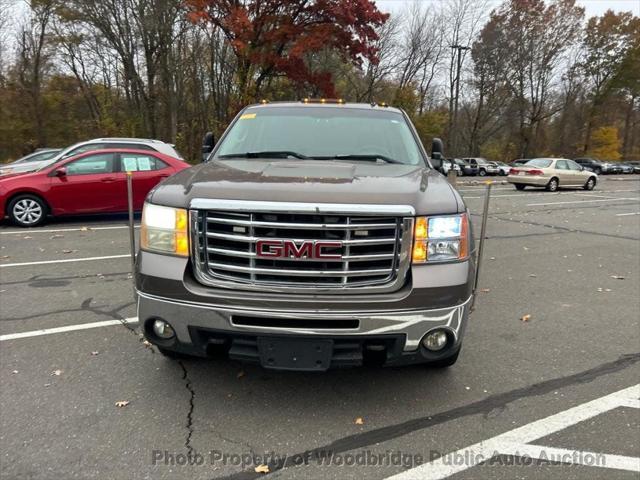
pixel 483 165
pixel 90 182
pixel 598 166
pixel 503 168
pixel 465 168
pixel 626 168
pixel 31 162
pixel 552 173
pixel 283 248
pixel 447 165
pixel 635 164
pixel 113 142
pixel 519 161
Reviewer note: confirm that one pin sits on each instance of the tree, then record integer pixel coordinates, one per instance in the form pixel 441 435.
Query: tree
pixel 272 37
pixel 531 39
pixel 609 42
pixel 605 143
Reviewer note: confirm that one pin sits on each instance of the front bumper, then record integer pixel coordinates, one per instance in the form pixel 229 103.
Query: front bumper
pixel 208 320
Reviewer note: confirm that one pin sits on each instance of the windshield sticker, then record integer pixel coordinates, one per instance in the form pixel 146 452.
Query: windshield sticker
pixel 247 116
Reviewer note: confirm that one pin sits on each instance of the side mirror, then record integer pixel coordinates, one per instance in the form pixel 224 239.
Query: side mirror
pixel 208 142
pixel 437 153
pixel 61 172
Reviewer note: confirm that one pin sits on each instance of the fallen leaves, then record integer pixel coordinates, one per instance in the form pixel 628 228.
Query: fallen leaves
pixel 14 372
pixel 617 277
pixel 68 251
pixel 93 354
pixel 359 421
pixel 56 373
pixel 122 403
pixel 57 235
pixel 84 229
pixel 526 318
pixel 240 374
pixel 485 290
pixel 262 469
pixel 532 275
pixel 604 289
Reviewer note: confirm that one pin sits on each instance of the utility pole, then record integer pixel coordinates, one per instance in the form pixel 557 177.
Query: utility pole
pixel 454 129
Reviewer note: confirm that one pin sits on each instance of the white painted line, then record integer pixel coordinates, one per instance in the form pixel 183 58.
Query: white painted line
pixel 581 201
pixel 625 214
pixel 68 328
pixel 473 455
pixel 631 403
pixel 66 260
pixel 25 231
pixel 572 457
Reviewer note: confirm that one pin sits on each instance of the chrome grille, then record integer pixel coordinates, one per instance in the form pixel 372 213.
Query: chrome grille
pixel 374 251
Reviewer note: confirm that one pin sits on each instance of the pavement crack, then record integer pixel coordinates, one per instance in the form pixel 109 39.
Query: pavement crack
pixel 192 395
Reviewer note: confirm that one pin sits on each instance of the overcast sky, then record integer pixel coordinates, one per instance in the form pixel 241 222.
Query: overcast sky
pixel 592 7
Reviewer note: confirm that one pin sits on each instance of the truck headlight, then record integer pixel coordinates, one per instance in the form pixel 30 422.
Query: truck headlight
pixel 441 239
pixel 164 230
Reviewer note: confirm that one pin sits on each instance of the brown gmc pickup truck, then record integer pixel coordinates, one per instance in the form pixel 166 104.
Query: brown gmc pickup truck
pixel 315 235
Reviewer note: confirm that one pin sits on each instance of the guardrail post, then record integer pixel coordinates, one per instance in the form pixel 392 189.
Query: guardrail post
pixel 132 236
pixel 483 232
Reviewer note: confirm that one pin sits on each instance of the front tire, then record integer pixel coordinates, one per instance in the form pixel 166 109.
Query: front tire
pixel 446 362
pixel 519 186
pixel 553 184
pixel 482 173
pixel 27 210
pixel 591 183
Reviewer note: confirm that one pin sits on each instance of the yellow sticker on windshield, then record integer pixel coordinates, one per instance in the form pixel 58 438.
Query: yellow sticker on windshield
pixel 247 116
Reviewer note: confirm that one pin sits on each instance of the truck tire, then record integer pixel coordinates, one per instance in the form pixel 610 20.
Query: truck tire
pixel 446 362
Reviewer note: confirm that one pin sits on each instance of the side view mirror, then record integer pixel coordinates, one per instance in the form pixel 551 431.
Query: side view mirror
pixel 208 142
pixel 61 172
pixel 437 153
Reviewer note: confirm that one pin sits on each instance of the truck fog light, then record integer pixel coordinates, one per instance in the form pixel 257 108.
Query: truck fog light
pixel 163 330
pixel 435 341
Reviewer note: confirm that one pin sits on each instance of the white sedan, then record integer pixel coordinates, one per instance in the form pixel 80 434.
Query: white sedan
pixel 552 173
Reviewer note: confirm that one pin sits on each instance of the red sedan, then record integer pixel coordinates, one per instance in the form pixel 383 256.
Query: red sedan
pixel 91 182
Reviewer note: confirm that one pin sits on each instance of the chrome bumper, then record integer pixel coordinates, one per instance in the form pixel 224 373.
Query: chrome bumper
pixel 413 324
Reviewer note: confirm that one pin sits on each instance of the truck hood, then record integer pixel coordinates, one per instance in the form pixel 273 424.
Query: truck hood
pixel 311 181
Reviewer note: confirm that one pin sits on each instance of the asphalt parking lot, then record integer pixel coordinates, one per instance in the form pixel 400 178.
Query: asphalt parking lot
pixel 555 396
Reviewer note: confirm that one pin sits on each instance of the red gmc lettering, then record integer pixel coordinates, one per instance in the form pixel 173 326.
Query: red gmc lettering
pixel 289 249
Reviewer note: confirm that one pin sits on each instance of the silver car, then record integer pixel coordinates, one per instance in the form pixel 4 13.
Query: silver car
pixel 33 161
pixel 552 173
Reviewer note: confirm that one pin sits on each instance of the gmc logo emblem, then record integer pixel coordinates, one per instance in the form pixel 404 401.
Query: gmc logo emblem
pixel 308 249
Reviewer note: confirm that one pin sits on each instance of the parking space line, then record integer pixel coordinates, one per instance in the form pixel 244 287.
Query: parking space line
pixel 581 201
pixel 68 328
pixel 483 451
pixel 65 260
pixel 625 214
pixel 572 457
pixel 60 230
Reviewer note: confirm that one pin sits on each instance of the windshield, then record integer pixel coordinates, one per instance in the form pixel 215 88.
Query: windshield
pixel 321 133
pixel 539 162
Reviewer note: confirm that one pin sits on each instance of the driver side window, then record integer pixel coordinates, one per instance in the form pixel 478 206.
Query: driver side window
pixel 100 163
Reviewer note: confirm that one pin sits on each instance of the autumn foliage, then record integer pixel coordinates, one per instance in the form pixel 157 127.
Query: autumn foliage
pixel 273 38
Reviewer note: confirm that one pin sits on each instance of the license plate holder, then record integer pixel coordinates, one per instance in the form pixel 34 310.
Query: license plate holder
pixel 295 354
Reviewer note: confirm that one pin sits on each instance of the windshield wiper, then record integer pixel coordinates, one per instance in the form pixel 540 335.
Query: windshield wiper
pixel 367 156
pixel 265 154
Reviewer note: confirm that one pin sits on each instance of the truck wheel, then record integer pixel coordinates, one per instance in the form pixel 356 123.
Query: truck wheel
pixel 446 362
pixel 172 354
pixel 27 210
pixel 519 186
pixel 552 186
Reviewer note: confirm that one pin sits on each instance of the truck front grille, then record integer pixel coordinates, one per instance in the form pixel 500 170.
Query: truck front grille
pixel 357 251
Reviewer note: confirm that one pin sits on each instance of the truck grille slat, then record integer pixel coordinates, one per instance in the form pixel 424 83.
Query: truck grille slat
pixel 360 252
